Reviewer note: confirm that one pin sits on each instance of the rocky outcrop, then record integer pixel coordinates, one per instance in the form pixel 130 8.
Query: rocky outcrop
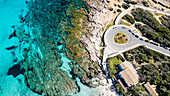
pixel 98 17
pixel 41 62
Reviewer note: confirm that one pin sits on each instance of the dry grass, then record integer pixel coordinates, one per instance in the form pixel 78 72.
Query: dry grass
pixel 121 38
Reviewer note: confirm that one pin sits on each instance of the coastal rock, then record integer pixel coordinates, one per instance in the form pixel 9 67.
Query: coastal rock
pixel 48 25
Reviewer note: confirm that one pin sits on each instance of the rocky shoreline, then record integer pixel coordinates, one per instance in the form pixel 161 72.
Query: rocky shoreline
pixel 79 30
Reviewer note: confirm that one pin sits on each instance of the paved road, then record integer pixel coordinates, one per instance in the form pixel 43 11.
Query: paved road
pixel 137 6
pixel 132 42
pixel 112 48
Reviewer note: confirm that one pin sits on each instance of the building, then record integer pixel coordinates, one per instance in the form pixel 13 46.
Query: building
pixel 126 76
pixel 150 89
pixel 129 77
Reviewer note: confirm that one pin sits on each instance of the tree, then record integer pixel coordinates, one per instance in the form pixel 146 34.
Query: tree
pixel 145 4
pixel 119 10
pixel 125 6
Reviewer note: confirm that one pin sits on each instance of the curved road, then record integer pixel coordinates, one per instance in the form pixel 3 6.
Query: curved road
pixel 133 41
pixel 136 6
pixel 112 48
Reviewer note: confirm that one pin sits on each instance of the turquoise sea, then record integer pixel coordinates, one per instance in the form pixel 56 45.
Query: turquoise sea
pixel 10 85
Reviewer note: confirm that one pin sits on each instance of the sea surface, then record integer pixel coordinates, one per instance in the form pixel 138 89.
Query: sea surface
pixel 15 86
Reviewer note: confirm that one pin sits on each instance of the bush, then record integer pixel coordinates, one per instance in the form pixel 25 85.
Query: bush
pixel 133 2
pixel 111 9
pixel 158 76
pixel 129 18
pixel 153 29
pixel 119 6
pixel 125 6
pixel 165 20
pixel 119 10
pixel 130 2
pixel 120 89
pixel 142 54
pixel 145 4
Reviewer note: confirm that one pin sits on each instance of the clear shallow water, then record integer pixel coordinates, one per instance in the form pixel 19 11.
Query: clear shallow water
pixel 65 66
pixel 10 86
pixel 86 91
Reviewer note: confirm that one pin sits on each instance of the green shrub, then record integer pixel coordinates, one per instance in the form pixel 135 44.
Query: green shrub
pixel 119 6
pixel 125 6
pixel 120 89
pixel 119 10
pixel 145 3
pixel 130 2
pixel 129 18
pixel 111 9
pixel 153 29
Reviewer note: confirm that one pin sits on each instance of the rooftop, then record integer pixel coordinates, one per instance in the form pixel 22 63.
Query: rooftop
pixel 150 89
pixel 123 65
pixel 129 77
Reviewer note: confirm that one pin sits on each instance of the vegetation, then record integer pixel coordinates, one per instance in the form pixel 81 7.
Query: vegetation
pixel 120 89
pixel 136 90
pixel 125 6
pixel 156 71
pixel 119 6
pixel 119 10
pixel 113 63
pixel 121 38
pixel 165 20
pixel 145 3
pixel 153 29
pixel 129 18
pixel 130 2
pixel 159 76
pixel 144 55
pixel 111 9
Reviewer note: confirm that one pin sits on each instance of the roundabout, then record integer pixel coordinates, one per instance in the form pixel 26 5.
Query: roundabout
pixel 113 40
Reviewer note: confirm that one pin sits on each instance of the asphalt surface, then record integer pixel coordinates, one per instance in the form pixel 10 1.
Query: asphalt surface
pixel 132 41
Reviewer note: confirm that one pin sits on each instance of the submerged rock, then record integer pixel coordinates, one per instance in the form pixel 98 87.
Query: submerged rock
pixel 15 70
pixel 12 47
pixel 46 26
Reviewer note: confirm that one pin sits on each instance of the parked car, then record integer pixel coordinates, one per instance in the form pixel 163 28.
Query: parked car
pixel 129 30
pixel 141 39
pixel 166 47
pixel 133 33
pixel 136 36
pixel 124 27
pixel 156 44
pixel 152 42
pixel 147 40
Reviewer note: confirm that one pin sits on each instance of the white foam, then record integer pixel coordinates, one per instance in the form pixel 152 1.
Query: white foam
pixel 87 91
